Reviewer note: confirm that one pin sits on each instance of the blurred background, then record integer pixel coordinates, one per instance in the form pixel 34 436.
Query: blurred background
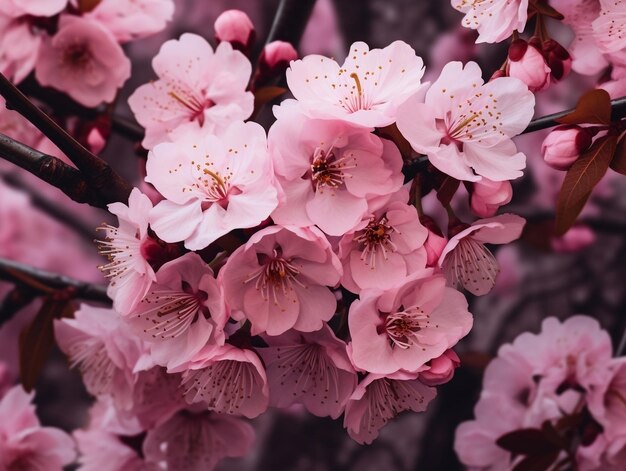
pixel 541 276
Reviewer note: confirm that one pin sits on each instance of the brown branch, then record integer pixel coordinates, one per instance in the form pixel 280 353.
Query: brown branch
pixel 45 282
pixel 51 170
pixel 97 173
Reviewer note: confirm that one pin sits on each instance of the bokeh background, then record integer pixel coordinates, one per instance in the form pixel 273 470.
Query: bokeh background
pixel 541 276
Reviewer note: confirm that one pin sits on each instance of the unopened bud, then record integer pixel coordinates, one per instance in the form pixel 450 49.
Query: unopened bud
pixel 562 147
pixel 235 27
pixel 526 63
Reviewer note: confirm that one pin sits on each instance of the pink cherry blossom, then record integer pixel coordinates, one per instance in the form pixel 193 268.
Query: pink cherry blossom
pixel 309 368
pixel 98 344
pixel 132 19
pixel 385 247
pixel 227 380
pixel 84 60
pixel 366 90
pixel 405 327
pixel 607 402
pixel 212 184
pixel 183 310
pixel 101 450
pixel 610 30
pixel 235 27
pixel 280 280
pixel 197 89
pixel 197 441
pixel 495 20
pixel 378 399
pixel 19 47
pixel 465 126
pixel 127 247
pixel 327 167
pixel 16 8
pixel 488 196
pixel 468 263
pixel 24 443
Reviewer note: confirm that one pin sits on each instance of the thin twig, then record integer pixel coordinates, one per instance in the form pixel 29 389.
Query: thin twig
pixel 51 170
pixel 100 176
pixel 43 281
pixel 290 21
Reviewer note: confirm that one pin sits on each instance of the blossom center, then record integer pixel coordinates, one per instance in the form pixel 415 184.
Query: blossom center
pixel 403 327
pixel 275 276
pixel 327 170
pixel 77 56
pixel 193 103
pixel 375 238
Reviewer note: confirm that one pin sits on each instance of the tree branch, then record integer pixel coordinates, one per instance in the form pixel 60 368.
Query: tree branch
pixel 45 282
pixel 98 174
pixel 290 21
pixel 51 170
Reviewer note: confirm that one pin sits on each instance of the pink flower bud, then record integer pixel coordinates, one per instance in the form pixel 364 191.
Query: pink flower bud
pixel 96 140
pixel 435 243
pixel 488 196
pixel 563 145
pixel 235 27
pixel 441 369
pixel 527 63
pixel 278 54
pixel 574 240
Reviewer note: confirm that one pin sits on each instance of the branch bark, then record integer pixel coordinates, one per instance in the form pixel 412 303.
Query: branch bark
pixel 45 282
pixel 97 173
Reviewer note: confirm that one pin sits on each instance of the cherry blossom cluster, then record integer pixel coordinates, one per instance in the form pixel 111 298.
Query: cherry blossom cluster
pixel 556 396
pixel 293 266
pixel 75 46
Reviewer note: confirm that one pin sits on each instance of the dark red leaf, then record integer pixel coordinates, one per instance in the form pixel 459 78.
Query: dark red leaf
pixel 37 339
pixel 594 107
pixel 447 189
pixel 537 462
pixel 266 94
pixel 548 11
pixel 392 133
pixel 85 6
pixel 580 180
pixel 528 441
pixel 619 159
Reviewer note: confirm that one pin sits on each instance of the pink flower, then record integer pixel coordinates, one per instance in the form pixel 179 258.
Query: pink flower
pixel 197 89
pixel 197 441
pixel 183 310
pixel 468 263
pixel 212 184
pixel 495 20
pixel 24 443
pixel 527 64
pixel 101 450
pixel 467 125
pixel 405 327
pixel 227 380
pixel 235 27
pixel 83 60
pixel 17 8
pixel 488 196
pixel 607 403
pixel 127 247
pixel 97 342
pixel 276 53
pixel 309 368
pixel 366 90
pixel 329 171
pixel 384 248
pixel 576 239
pixel 19 47
pixel 134 19
pixel 280 280
pixel 377 399
pixel 562 147
pixel 610 29
pixel 441 369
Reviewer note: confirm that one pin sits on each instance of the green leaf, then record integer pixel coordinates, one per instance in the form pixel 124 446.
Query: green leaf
pixel 594 107
pixel 580 180
pixel 619 159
